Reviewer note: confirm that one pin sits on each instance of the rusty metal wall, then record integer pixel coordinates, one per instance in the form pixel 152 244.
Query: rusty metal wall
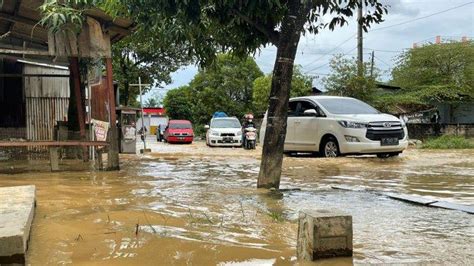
pixel 47 101
pixel 42 114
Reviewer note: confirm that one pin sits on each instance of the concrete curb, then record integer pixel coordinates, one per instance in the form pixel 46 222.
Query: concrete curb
pixel 17 209
pixel 413 199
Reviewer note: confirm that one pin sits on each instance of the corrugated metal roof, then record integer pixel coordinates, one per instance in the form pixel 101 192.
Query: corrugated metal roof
pixel 42 64
pixel 19 23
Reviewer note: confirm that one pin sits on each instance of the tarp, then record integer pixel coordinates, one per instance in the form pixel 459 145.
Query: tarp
pixel 219 114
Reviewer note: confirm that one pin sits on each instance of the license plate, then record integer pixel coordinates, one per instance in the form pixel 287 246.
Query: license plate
pixel 180 138
pixel 389 141
pixel 228 139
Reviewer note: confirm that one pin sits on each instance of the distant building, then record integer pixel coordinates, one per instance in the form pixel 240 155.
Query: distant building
pixel 449 113
pixel 316 91
pixel 153 117
pixel 459 113
pixel 386 88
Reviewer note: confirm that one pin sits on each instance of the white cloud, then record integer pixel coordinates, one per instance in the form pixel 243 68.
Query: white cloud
pixel 400 7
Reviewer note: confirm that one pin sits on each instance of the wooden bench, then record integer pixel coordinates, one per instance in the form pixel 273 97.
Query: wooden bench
pixel 54 147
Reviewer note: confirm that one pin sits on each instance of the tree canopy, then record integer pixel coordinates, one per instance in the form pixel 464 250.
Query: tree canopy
pixel 152 102
pixel 300 85
pixel 244 26
pixel 226 86
pixel 435 72
pixel 177 103
pixel 145 54
pixel 344 79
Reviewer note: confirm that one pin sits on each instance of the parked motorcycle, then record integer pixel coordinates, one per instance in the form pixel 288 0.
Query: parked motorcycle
pixel 142 133
pixel 250 138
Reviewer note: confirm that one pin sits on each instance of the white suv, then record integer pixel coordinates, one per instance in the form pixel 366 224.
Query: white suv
pixel 333 126
pixel 224 131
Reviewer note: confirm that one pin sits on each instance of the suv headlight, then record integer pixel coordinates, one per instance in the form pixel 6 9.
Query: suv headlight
pixel 350 124
pixel 239 133
pixel 214 133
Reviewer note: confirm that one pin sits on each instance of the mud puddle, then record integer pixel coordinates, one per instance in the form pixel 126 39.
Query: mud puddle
pixel 205 211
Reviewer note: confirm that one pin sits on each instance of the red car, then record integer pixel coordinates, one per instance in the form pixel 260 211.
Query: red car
pixel 179 131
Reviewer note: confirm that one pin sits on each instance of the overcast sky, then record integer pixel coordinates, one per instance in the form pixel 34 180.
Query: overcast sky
pixel 386 39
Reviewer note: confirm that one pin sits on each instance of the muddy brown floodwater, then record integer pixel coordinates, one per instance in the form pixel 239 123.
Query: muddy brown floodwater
pixel 196 205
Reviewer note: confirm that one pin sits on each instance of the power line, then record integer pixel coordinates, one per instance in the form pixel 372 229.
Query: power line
pixel 319 74
pixel 322 53
pixel 385 51
pixel 390 66
pixel 381 28
pixel 427 16
pixel 427 39
pixel 337 46
pixel 318 67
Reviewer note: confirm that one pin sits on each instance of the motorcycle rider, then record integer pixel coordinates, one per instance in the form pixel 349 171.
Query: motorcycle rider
pixel 142 133
pixel 248 123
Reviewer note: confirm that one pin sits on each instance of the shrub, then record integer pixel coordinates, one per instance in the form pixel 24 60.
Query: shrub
pixel 448 142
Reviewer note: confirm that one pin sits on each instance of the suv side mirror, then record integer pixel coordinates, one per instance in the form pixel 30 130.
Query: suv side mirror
pixel 207 127
pixel 310 112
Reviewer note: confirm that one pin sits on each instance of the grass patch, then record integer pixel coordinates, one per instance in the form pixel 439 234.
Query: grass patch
pixel 448 142
pixel 276 216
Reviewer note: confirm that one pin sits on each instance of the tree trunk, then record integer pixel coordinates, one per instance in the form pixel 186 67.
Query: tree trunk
pixel 272 154
pixel 113 149
pixel 126 94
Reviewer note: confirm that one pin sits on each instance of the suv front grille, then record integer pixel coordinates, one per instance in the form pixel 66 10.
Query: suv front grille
pixel 227 135
pixel 379 130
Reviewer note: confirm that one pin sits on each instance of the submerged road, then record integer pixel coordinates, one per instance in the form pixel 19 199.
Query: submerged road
pixel 190 204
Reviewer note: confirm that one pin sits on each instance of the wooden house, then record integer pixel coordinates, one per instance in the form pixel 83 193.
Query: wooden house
pixel 40 76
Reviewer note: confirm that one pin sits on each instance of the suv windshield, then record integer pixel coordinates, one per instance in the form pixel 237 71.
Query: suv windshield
pixel 225 123
pixel 345 106
pixel 180 126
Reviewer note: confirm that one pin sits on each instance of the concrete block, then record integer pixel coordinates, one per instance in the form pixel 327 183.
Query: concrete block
pixel 17 206
pixel 142 151
pixel 324 234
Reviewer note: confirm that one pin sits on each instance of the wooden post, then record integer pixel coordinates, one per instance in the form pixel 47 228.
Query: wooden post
pixel 74 69
pixel 113 155
pixel 54 158
pixel 100 162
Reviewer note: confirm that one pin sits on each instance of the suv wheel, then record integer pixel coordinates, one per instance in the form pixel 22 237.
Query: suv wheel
pixel 387 155
pixel 330 148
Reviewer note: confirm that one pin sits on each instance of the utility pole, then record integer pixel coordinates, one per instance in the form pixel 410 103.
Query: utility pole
pixel 140 85
pixel 143 114
pixel 372 65
pixel 360 59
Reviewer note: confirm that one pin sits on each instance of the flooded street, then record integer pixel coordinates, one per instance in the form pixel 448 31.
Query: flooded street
pixel 189 204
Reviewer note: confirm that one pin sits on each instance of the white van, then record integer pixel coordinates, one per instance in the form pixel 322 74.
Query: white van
pixel 333 126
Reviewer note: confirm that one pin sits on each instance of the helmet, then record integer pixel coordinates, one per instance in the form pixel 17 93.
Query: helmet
pixel 248 117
